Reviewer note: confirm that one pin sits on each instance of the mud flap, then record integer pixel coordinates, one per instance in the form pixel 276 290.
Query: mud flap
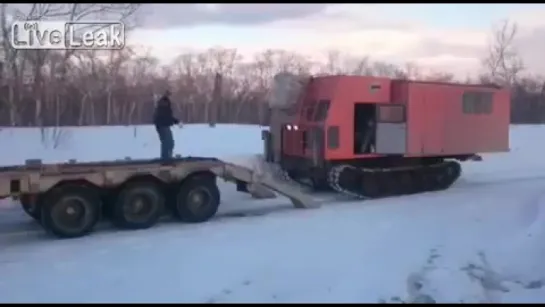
pixel 242 186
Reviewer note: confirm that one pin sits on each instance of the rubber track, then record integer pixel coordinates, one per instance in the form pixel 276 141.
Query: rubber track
pixel 375 183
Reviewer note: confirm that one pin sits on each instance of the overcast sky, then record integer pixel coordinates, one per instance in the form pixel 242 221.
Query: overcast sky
pixel 450 37
pixel 442 37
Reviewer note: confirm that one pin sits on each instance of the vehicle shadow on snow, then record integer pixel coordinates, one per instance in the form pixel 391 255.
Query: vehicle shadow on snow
pixel 17 228
pixel 466 183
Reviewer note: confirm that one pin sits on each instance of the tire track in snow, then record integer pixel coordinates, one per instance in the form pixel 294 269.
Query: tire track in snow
pixel 479 281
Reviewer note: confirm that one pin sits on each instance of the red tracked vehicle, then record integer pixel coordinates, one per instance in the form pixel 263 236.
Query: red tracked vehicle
pixel 373 137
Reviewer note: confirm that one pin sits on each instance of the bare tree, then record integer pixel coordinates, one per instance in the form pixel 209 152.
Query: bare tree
pixel 213 86
pixel 25 63
pixel 503 64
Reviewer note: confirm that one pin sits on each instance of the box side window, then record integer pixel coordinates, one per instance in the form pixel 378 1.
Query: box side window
pixel 474 102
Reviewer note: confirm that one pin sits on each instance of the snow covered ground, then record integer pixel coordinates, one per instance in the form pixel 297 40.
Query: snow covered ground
pixel 481 241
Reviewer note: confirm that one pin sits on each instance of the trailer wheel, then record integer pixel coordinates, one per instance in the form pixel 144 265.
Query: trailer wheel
pixel 70 211
pixel 33 210
pixel 139 205
pixel 197 200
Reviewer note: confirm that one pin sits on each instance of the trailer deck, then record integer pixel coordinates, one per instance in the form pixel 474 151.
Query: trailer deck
pixel 69 198
pixel 35 164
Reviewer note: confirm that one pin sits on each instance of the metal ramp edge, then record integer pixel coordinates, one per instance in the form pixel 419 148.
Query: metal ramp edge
pixel 232 172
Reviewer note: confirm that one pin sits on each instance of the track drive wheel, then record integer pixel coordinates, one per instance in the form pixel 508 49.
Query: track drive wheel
pixel 139 205
pixel 197 200
pixel 405 181
pixel 370 185
pixel 453 170
pixel 70 211
pixel 31 206
pixel 442 178
pixel 320 185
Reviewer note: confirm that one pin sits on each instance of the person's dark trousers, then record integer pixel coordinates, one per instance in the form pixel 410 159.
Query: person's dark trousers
pixel 167 142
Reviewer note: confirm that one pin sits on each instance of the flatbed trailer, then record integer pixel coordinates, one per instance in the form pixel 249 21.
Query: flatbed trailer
pixel 69 199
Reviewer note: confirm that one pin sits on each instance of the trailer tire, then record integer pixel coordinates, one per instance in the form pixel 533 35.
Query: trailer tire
pixel 146 201
pixel 64 202
pixel 197 200
pixel 32 210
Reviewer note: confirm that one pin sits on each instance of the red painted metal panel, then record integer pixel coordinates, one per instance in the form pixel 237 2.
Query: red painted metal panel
pixel 436 121
pixel 439 126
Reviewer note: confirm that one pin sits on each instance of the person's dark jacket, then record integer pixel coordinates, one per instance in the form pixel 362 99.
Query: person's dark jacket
pixel 163 116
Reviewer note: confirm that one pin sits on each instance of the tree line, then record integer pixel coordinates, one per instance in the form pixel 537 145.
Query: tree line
pixel 119 87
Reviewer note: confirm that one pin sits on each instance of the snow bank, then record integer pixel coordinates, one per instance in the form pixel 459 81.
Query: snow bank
pixel 118 142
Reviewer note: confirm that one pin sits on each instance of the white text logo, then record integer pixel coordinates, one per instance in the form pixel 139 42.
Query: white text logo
pixel 67 35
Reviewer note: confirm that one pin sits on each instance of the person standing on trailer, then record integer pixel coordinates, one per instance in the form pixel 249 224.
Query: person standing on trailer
pixel 163 119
